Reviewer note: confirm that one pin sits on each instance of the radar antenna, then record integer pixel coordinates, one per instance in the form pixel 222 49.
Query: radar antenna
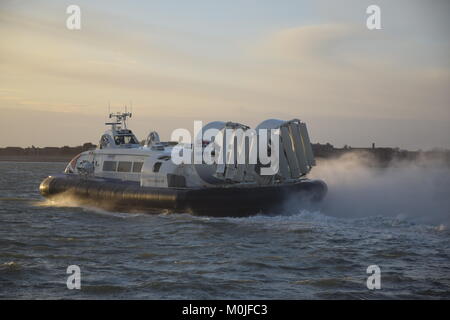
pixel 121 119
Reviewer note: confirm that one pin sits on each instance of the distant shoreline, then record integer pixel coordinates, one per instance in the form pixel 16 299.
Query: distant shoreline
pixel 379 156
pixel 34 159
pixel 46 154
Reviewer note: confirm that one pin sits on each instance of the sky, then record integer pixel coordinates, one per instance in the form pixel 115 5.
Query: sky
pixel 243 61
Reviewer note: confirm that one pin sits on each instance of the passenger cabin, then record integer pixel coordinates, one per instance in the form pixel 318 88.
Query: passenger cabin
pixel 119 156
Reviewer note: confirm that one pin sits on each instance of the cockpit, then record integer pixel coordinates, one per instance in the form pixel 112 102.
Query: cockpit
pixel 119 135
pixel 125 139
pixel 119 139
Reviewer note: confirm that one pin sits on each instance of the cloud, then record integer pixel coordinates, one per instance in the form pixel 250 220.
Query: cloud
pixel 358 71
pixel 311 42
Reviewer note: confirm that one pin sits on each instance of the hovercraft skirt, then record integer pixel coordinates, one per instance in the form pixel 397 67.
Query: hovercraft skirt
pixel 217 201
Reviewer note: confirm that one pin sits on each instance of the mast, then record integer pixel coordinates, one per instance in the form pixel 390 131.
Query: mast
pixel 121 120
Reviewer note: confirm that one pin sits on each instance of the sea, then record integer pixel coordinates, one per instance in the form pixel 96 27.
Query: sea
pixel 379 234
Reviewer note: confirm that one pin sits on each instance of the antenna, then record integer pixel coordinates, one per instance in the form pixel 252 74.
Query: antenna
pixel 120 118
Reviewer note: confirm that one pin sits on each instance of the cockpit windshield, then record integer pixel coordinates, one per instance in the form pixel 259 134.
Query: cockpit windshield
pixel 125 139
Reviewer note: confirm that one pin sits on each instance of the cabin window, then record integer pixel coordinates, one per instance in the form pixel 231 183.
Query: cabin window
pixel 157 166
pixel 124 166
pixel 130 139
pixel 125 139
pixel 137 166
pixel 109 165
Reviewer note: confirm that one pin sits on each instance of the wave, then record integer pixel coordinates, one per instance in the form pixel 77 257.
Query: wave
pixel 66 200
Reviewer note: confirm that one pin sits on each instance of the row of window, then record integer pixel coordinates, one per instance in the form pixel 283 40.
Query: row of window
pixel 122 166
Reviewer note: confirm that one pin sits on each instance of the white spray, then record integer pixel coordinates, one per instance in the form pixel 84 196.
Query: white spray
pixel 415 190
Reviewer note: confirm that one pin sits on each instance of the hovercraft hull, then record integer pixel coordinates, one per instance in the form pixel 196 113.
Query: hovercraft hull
pixel 241 200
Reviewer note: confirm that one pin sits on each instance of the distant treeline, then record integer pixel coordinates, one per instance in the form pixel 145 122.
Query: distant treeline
pixel 383 156
pixel 46 151
pixel 379 155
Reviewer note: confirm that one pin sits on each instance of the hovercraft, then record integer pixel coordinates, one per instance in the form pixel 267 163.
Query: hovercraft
pixel 228 170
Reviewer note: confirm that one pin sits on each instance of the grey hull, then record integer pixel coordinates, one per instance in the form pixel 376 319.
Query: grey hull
pixel 218 201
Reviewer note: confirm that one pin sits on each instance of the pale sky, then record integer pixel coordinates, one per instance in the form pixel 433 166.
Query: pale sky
pixel 243 61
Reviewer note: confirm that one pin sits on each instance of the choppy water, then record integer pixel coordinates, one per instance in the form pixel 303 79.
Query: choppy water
pixel 294 255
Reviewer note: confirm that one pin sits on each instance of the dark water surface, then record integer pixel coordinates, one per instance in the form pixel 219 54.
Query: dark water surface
pixel 295 255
